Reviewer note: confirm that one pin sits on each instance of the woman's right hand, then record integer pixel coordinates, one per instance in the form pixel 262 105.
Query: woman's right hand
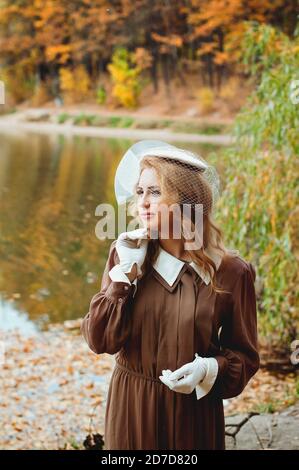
pixel 131 248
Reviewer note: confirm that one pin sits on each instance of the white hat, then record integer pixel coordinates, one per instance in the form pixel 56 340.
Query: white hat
pixel 128 170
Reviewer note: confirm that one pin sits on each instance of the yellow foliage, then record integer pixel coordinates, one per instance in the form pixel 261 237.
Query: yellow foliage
pixel 59 53
pixel 75 83
pixel 125 94
pixel 125 73
pixel 17 81
pixel 82 80
pixel 66 79
pixel 172 40
pixel 206 100
pixel 221 58
pixel 207 48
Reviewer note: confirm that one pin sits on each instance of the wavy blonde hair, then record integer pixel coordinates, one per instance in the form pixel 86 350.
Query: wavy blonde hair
pixel 173 176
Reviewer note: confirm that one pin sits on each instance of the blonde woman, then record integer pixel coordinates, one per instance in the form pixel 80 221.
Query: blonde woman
pixel 181 322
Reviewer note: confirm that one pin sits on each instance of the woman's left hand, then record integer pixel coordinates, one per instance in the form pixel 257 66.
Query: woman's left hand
pixel 185 379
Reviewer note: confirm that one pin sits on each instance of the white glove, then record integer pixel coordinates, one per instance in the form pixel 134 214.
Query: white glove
pixel 130 251
pixel 187 377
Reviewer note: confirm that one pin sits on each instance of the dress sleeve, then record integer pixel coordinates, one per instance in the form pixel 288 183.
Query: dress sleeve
pixel 238 359
pixel 106 326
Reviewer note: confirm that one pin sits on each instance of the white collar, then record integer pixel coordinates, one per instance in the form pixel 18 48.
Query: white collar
pixel 169 267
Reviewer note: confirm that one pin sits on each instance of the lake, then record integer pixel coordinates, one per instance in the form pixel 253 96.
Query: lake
pixel 51 259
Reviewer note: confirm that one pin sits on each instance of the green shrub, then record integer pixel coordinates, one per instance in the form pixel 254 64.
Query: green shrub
pixel 259 205
pixel 63 117
pixel 101 95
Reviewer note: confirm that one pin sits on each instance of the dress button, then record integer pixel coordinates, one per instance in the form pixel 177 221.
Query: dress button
pixel 120 300
pixel 126 287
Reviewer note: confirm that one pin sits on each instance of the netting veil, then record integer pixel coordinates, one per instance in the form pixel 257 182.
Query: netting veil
pixel 188 174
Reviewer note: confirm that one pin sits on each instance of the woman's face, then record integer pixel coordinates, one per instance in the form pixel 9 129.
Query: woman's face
pixel 149 198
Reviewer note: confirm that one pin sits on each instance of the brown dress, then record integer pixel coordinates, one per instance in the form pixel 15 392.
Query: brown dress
pixel 162 327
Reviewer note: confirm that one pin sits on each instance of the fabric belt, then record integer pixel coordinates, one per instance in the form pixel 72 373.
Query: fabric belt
pixel 136 374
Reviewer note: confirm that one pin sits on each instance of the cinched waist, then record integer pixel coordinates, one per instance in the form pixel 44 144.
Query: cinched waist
pixel 136 374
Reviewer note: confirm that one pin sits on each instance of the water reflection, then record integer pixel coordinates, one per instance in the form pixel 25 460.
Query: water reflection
pixel 12 318
pixel 51 260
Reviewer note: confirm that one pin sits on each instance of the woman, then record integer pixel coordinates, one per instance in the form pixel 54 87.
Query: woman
pixel 182 322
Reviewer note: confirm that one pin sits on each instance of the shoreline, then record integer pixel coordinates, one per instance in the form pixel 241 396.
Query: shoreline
pixel 16 127
pixel 31 120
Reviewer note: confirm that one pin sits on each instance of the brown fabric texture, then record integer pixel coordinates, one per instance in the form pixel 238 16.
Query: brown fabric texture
pixel 162 327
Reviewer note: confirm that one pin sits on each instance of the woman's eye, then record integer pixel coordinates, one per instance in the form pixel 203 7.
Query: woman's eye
pixel 156 192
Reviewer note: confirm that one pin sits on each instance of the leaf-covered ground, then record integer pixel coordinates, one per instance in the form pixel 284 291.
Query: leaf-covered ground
pixel 53 391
